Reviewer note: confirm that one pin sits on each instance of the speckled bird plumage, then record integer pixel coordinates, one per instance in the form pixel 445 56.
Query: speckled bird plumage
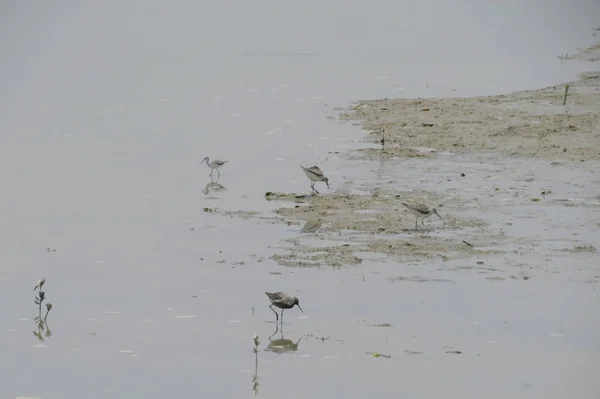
pixel 283 301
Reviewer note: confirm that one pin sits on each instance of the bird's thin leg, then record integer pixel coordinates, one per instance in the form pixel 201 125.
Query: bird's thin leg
pixel 276 314
pixel 313 187
pixel 417 223
pixel 211 171
pixel 423 221
pixel 282 318
pixel 218 173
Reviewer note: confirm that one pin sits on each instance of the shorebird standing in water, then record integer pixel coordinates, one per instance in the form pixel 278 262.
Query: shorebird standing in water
pixel 315 174
pixel 421 211
pixel 214 165
pixel 283 301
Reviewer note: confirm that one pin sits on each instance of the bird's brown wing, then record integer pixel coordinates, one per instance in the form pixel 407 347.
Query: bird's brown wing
pixel 421 208
pixel 314 170
pixel 275 296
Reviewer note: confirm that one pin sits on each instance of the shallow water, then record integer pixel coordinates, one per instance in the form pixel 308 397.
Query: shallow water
pixel 106 111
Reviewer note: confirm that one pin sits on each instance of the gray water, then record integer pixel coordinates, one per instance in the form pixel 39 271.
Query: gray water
pixel 105 113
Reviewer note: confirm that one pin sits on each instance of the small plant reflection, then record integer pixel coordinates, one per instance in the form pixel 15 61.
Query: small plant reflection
pixel 43 330
pixel 255 378
pixel 214 185
pixel 282 345
pixel 41 323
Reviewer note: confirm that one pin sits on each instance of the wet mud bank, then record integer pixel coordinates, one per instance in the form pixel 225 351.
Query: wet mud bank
pixel 515 178
pixel 532 123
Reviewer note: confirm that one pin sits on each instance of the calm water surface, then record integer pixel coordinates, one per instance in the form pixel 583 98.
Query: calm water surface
pixel 106 110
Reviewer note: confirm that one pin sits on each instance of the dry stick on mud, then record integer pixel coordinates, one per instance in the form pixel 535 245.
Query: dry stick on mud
pixel 566 94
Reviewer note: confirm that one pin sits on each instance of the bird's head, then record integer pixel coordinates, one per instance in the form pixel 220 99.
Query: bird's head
pixel 297 303
pixel 326 180
pixel 205 160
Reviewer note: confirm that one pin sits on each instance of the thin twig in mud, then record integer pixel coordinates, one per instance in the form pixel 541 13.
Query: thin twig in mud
pixel 469 244
pixel 566 94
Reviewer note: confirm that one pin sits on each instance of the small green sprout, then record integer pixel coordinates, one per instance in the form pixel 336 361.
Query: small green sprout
pixel 255 350
pixel 40 297
pixel 40 284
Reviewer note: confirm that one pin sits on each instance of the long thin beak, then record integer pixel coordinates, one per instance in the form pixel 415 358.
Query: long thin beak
pixel 327 185
pixel 439 215
pixel 300 308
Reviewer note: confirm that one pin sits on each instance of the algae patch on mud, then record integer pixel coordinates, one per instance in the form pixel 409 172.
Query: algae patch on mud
pixel 272 196
pixel 308 256
pixel 352 226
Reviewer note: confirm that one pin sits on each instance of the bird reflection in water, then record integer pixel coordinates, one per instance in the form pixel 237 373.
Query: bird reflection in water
pixel 214 185
pixel 312 225
pixel 281 345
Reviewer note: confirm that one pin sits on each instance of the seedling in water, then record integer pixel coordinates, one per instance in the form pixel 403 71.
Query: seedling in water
pixel 255 379
pixel 40 297
pixel 42 326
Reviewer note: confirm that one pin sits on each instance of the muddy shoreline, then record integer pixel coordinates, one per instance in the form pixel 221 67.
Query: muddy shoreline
pixel 534 123
pixel 530 126
pixel 527 123
pixel 486 163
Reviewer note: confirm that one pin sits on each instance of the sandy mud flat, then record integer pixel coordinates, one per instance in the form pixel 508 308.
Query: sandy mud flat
pixel 532 123
pixel 515 177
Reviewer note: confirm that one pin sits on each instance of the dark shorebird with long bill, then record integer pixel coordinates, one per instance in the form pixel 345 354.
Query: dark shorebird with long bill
pixel 283 301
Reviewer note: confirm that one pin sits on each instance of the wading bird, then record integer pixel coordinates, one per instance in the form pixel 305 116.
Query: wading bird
pixel 283 301
pixel 315 174
pixel 421 211
pixel 214 165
